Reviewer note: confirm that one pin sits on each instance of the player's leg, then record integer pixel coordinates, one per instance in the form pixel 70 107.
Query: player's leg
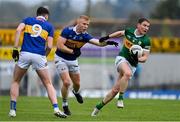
pixel 76 86
pixel 74 71
pixel 124 75
pixel 127 74
pixel 39 63
pixel 65 91
pixel 62 68
pixel 14 89
pixel 19 71
pixel 45 78
pixel 110 95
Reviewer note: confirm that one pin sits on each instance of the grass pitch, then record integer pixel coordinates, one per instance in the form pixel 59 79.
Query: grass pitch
pixel 40 109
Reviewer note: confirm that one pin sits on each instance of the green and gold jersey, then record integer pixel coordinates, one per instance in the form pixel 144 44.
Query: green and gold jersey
pixel 131 39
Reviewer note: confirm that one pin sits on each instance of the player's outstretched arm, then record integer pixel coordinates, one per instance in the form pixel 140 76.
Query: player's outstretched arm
pixel 113 35
pixel 102 44
pixel 117 34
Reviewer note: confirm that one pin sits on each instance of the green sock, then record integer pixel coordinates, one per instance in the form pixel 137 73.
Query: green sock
pixel 100 105
pixel 121 96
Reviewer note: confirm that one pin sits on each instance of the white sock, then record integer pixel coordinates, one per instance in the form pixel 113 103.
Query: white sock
pixel 56 109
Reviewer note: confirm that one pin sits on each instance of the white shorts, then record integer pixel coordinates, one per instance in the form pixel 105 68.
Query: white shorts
pixel 63 65
pixel 119 60
pixel 37 61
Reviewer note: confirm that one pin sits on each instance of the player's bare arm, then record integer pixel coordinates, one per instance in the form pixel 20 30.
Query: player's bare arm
pixel 113 35
pixel 144 57
pixel 19 29
pixel 49 45
pixel 102 44
pixel 97 43
pixel 117 34
pixel 61 45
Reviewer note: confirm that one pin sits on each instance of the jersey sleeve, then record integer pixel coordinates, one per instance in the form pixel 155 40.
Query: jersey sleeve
pixel 25 20
pixel 64 33
pixel 51 31
pixel 147 44
pixel 127 30
pixel 88 37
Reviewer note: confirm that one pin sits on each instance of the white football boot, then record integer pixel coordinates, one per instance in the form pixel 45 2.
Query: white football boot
pixel 120 104
pixel 95 112
pixel 12 113
pixel 59 113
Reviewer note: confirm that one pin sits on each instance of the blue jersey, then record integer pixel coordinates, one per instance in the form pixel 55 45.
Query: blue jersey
pixel 35 35
pixel 74 41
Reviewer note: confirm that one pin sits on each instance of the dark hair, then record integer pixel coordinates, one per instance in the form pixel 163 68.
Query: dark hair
pixel 42 11
pixel 142 20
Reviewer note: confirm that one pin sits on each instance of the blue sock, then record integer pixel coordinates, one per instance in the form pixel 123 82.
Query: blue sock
pixel 13 105
pixel 55 106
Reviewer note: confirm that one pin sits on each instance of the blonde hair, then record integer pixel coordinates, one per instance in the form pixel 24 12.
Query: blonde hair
pixel 84 17
pixel 75 21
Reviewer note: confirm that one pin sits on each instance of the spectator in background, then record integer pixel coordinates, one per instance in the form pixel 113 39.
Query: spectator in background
pixel 37 32
pixel 69 43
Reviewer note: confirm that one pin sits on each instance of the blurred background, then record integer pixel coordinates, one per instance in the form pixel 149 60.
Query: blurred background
pixel 158 78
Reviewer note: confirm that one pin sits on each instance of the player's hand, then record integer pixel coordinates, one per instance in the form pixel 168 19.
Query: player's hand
pixel 102 39
pixel 112 43
pixel 77 52
pixel 15 54
pixel 134 56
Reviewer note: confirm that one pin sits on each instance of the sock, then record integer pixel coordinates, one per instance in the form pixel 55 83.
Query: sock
pixel 13 105
pixel 121 96
pixel 64 103
pixel 75 91
pixel 55 106
pixel 100 105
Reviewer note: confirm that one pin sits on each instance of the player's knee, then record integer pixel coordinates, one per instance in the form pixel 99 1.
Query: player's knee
pixel 66 84
pixel 128 75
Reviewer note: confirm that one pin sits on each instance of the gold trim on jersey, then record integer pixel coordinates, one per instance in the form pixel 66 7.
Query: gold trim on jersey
pixel 43 34
pixel 74 44
pixel 127 43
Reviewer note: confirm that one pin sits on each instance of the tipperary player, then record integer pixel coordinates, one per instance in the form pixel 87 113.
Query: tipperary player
pixel 37 33
pixel 68 50
pixel 126 62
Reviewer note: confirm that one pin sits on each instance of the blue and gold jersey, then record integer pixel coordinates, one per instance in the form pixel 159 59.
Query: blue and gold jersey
pixel 35 35
pixel 74 41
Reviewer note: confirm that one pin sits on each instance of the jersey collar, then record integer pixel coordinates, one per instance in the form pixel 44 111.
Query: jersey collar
pixel 135 33
pixel 41 17
pixel 75 30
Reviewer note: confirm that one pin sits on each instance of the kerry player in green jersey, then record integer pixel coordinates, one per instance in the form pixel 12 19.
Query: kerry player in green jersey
pixel 126 62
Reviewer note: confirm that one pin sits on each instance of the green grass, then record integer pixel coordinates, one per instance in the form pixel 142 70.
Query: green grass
pixel 40 109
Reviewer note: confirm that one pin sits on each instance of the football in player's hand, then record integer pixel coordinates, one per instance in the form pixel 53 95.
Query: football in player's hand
pixel 136 49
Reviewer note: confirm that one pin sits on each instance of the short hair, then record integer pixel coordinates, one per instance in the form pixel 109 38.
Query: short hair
pixel 42 11
pixel 142 20
pixel 84 17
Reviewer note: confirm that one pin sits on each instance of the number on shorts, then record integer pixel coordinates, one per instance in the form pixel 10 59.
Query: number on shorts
pixel 37 29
